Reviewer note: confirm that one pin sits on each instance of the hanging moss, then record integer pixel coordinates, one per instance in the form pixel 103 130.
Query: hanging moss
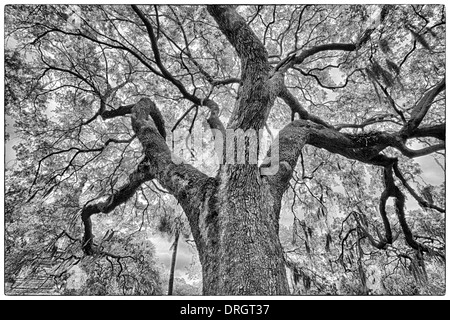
pixel 376 69
pixel 387 77
pixel 385 11
pixel 419 38
pixel 392 66
pixel 384 46
pixel 370 74
pixel 382 74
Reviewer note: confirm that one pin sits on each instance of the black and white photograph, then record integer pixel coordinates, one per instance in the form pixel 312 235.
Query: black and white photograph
pixel 228 150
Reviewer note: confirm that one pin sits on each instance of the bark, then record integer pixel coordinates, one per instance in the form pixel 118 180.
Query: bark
pixel 173 262
pixel 250 253
pixel 250 259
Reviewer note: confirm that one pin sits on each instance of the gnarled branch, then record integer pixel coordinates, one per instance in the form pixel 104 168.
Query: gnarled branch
pixel 183 181
pixel 142 174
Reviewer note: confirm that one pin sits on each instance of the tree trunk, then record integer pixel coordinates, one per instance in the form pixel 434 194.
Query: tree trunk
pixel 173 262
pixel 246 256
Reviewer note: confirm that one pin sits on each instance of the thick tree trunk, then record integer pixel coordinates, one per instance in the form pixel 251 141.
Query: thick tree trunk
pixel 246 256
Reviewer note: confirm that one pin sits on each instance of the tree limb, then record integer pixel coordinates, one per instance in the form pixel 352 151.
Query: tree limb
pixel 421 108
pixel 183 181
pixel 417 153
pixel 296 107
pixel 298 58
pixel 142 174
pixel 295 135
pixel 167 75
pixel 437 131
pixel 248 47
pixel 121 111
pixel 258 89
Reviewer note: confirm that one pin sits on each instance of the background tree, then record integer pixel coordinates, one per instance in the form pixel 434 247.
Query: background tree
pixel 93 90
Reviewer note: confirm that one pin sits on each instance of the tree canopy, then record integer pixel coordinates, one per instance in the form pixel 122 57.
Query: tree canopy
pixel 352 97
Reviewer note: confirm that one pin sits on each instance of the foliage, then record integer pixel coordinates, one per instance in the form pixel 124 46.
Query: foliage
pixel 42 242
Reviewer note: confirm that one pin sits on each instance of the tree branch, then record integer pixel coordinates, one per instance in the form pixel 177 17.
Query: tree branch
pixel 187 184
pixel 142 174
pixel 183 181
pixel 378 139
pixel 296 107
pixel 213 120
pixel 249 48
pixel 400 146
pixel 382 243
pixel 121 111
pixel 167 75
pixel 295 135
pixel 298 58
pixel 437 131
pixel 309 74
pixel 421 108
pixel 258 89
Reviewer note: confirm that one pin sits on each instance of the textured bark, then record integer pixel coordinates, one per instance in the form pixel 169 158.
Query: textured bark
pixel 250 254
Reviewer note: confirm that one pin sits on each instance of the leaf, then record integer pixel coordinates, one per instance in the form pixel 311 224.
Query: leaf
pixel 306 282
pixel 427 194
pixel 310 232
pixel 109 237
pixel 294 238
pixel 364 220
pixel 49 191
pixel 376 91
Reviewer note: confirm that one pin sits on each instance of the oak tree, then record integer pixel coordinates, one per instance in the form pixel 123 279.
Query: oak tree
pixel 357 92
